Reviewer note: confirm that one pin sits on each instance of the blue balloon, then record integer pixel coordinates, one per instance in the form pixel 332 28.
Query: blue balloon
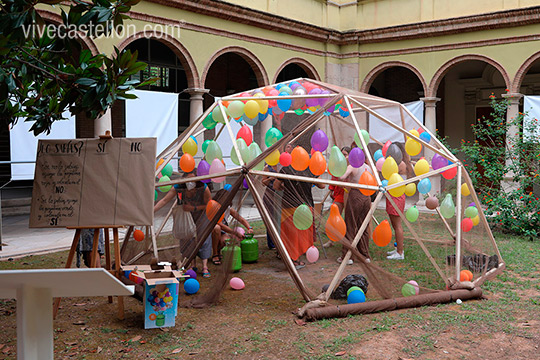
pixel 227 187
pixel 249 121
pixel 285 104
pixel 356 296
pixel 377 155
pixel 278 86
pixel 269 112
pixel 191 286
pixel 193 137
pixel 384 183
pixel 263 117
pixel 343 113
pixel 425 136
pixel 424 186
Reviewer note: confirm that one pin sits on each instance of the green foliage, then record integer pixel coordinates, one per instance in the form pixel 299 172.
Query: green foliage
pixel 503 164
pixel 44 70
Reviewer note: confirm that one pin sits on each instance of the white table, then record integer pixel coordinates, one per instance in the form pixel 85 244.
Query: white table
pixel 34 291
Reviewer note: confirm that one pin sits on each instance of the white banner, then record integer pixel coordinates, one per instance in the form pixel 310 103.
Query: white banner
pixel 383 132
pixel 531 109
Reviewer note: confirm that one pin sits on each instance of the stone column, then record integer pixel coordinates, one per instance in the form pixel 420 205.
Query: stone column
pixel 195 103
pixel 511 114
pixel 265 126
pixel 103 123
pixel 430 121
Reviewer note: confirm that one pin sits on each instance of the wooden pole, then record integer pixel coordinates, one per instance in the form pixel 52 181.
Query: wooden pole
pixel 198 178
pixel 166 218
pixel 458 224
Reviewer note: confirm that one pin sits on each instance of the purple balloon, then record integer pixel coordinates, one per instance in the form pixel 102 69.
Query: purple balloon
pixel 438 162
pixel 203 169
pixel 245 184
pixel 192 274
pixel 356 157
pixel 313 101
pixel 472 204
pixel 319 140
pixel 323 101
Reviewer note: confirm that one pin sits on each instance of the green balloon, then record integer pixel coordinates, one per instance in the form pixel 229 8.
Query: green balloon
pixel 352 288
pixel 408 290
pixel 208 122
pixel 254 151
pixel 303 217
pixel 448 208
pixel 217 116
pixel 167 170
pixel 165 188
pixel 213 151
pixel 155 195
pixel 471 212
pixel 241 143
pixel 299 111
pixel 337 164
pixel 205 145
pixel 272 136
pixel 365 135
pixel 412 214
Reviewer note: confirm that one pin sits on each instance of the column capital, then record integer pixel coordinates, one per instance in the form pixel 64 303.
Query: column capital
pixel 430 101
pixel 194 92
pixel 514 98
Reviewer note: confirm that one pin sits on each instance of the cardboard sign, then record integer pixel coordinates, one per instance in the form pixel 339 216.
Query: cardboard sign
pixel 94 183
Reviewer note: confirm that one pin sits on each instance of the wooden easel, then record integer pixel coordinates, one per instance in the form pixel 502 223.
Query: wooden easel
pixel 95 259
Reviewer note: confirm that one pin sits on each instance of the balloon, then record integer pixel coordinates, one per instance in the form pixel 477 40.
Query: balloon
pixel 412 147
pixel 352 288
pixel 272 136
pixel 379 164
pixel 303 217
pixel 438 162
pixel 385 147
pixel 471 212
pixel 242 147
pixel 424 186
pixel 284 104
pixel 240 230
pixel 367 179
pixel 410 189
pixel 159 163
pixel 344 113
pixel 297 104
pixel 235 109
pixel 432 203
pixel 155 195
pixel 384 183
pixel 395 178
pixel 335 225
pixel 187 163
pixel 212 208
pixel 389 167
pixel 209 122
pixel 263 117
pixel 237 283
pixel 251 109
pixel 167 170
pixel 313 101
pixel 337 164
pixel 191 273
pixel 138 235
pixel 450 173
pixel 273 158
pixel 191 286
pixel 165 188
pixel 300 159
pixel 203 169
pixel 254 151
pixel 365 135
pixel 285 89
pixel 213 151
pixel 465 190
pixel 324 100
pixel 312 254
pixel 416 287
pixel 319 140
pixel 421 167
pixel 249 121
pixel 447 207
pixel 395 152
pixel 414 132
pixel 204 146
pixel 246 134
pixel 466 224
pixel 215 168
pixel 377 155
pixel 412 214
pixel 408 290
pixel 356 157
pixel 285 159
pixel 217 116
pixel 356 297
pixel 263 104
pixel 227 187
pixel 465 275
pixel 425 136
pixel 190 147
pixel 475 220
pixel 382 234
pixel 317 164
pixel 272 103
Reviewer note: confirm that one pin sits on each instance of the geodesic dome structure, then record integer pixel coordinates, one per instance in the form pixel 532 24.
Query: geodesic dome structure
pixel 395 156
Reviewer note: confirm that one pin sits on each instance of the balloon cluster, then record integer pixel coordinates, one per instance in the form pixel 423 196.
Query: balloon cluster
pixel 471 218
pixel 411 288
pixel 160 301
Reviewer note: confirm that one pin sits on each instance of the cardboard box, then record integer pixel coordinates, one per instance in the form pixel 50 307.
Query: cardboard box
pixel 160 298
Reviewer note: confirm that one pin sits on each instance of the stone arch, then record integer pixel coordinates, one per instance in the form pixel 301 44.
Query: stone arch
pixel 370 77
pixel 522 71
pixel 438 76
pixel 248 56
pixel 176 46
pixel 303 63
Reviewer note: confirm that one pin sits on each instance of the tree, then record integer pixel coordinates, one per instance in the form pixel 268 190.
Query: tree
pixel 44 70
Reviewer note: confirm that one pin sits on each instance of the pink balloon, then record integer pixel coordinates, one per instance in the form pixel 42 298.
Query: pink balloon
pixel 312 254
pixel 216 168
pixel 240 230
pixel 380 163
pixel 237 283
pixel 416 287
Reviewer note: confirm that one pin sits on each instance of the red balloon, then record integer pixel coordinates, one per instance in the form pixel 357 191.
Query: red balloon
pixel 382 235
pixel 138 235
pixel 245 133
pixel 466 225
pixel 285 159
pixel 245 94
pixel 385 147
pixel 450 173
pixel 273 92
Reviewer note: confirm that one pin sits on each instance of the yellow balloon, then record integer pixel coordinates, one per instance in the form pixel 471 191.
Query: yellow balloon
pixel 389 167
pixel 475 220
pixel 263 104
pixel 421 167
pixel 313 108
pixel 190 147
pixel 251 109
pixel 465 190
pixel 396 179
pixel 273 158
pixel 413 147
pixel 410 189
pixel 414 132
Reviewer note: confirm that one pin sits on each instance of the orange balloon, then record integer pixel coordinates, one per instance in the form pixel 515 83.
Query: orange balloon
pixel 317 164
pixel 159 163
pixel 367 179
pixel 300 159
pixel 335 225
pixel 465 275
pixel 152 317
pixel 138 235
pixel 382 235
pixel 212 209
pixel 187 163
